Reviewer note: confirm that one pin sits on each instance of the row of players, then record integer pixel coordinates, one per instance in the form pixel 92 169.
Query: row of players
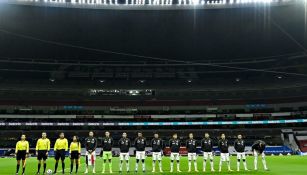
pixel 157 144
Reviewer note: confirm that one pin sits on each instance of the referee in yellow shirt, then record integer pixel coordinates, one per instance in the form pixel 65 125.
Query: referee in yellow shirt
pixel 75 153
pixel 21 151
pixel 60 148
pixel 42 149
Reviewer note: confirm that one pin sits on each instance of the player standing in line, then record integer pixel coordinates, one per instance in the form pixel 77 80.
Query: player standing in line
pixel 107 144
pixel 157 147
pixel 258 149
pixel 75 153
pixel 223 146
pixel 191 145
pixel 90 155
pixel 140 144
pixel 60 148
pixel 124 146
pixel 21 151
pixel 174 145
pixel 239 146
pixel 207 148
pixel 42 149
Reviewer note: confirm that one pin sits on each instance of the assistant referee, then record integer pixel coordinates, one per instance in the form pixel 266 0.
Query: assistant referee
pixel 21 151
pixel 60 148
pixel 42 149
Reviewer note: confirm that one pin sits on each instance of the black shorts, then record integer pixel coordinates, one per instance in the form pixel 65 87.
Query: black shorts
pixel 42 154
pixel 21 155
pixel 60 154
pixel 74 155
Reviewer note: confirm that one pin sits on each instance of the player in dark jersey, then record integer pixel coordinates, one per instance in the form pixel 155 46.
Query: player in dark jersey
pixel 107 144
pixel 258 149
pixel 140 144
pixel 90 155
pixel 223 146
pixel 124 146
pixel 239 146
pixel 157 145
pixel 174 145
pixel 207 148
pixel 191 145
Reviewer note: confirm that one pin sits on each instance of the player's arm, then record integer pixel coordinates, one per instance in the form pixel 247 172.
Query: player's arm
pixel 17 147
pixel 56 145
pixel 119 142
pixel 96 142
pixel 66 145
pixel 235 145
pixel 219 144
pixel 48 146
pixel 28 148
pixel 186 143
pixel 152 141
pixel 102 144
pixel 145 142
pixel 79 149
pixel 36 148
pixel 70 147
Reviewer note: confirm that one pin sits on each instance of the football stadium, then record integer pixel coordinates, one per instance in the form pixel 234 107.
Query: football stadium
pixel 153 87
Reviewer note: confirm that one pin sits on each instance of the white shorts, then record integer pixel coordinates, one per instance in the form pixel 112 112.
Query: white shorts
pixel 175 156
pixel 256 154
pixel 225 156
pixel 140 155
pixel 124 156
pixel 208 154
pixel 241 156
pixel 91 158
pixel 156 156
pixel 192 156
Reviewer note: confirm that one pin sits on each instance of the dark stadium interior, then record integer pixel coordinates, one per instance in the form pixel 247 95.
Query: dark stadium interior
pixel 192 50
pixel 73 69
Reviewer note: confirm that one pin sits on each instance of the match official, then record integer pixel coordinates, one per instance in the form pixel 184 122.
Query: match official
pixel 42 149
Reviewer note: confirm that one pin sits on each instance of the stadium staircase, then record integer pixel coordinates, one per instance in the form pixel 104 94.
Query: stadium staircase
pixel 301 138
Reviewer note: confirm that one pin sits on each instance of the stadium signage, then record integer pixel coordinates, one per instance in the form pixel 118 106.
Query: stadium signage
pixel 262 122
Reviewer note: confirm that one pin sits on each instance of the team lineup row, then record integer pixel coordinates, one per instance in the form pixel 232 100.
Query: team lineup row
pixel 157 144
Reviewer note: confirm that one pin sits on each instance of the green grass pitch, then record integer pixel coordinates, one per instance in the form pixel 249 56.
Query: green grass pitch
pixel 278 165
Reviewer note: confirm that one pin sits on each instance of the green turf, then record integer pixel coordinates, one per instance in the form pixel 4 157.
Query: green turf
pixel 278 165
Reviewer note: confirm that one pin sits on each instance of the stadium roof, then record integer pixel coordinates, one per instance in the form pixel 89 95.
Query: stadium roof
pixel 241 49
